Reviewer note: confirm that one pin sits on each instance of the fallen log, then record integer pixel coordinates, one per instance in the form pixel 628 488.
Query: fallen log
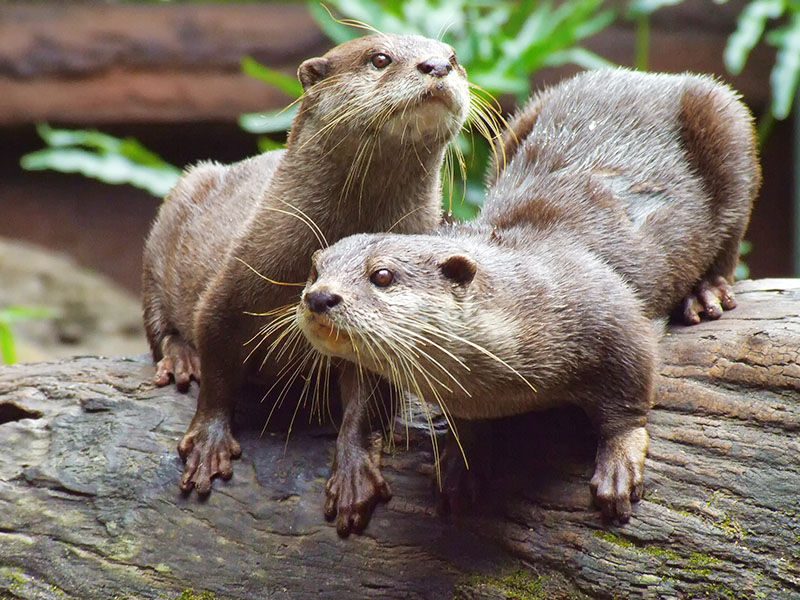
pixel 89 505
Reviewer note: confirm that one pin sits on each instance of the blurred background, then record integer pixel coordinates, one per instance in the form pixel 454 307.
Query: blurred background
pixel 102 103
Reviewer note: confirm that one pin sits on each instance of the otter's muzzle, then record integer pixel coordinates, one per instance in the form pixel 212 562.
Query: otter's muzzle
pixel 321 302
pixel 435 67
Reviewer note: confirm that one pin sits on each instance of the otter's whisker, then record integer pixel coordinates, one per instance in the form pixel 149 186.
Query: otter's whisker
pixel 440 401
pixel 265 278
pixel 404 217
pixel 355 23
pixel 421 338
pixel 411 383
pixel 301 401
pixel 299 364
pixel 266 331
pixel 270 313
pixel 304 222
pixel 449 335
pixel 310 222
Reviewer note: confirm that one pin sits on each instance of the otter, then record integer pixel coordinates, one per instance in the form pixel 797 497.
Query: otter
pixel 624 198
pixel 364 154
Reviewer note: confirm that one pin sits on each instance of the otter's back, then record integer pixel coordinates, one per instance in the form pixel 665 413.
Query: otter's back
pixel 618 159
pixel 196 227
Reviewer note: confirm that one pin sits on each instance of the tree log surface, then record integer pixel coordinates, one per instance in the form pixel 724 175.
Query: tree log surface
pixel 89 505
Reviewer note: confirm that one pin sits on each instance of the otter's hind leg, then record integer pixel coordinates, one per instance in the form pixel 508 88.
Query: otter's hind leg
pixel 720 144
pixel 179 362
pixel 176 359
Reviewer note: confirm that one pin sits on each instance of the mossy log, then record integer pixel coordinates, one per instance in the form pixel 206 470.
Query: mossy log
pixel 89 504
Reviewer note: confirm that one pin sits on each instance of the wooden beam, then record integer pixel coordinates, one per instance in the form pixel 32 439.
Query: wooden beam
pixel 95 63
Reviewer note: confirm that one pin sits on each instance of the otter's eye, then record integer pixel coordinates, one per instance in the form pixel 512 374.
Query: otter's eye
pixel 380 60
pixel 312 276
pixel 382 277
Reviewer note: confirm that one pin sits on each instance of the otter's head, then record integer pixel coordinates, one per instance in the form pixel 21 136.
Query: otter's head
pixel 380 299
pixel 403 87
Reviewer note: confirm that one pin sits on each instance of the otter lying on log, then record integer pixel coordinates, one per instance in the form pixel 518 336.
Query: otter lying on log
pixel 625 197
pixel 90 507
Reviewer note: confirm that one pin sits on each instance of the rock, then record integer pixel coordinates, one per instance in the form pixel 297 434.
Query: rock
pixel 89 313
pixel 91 508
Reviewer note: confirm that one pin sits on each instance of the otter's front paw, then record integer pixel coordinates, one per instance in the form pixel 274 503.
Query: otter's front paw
pixel 180 362
pixel 354 488
pixel 207 450
pixel 709 298
pixel 618 477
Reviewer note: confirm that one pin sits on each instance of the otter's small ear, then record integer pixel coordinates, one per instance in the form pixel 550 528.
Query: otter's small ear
pixel 313 70
pixel 459 269
pixel 315 256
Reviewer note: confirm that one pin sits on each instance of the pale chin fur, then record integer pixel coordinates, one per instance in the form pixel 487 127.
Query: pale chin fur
pixel 320 344
pixel 429 118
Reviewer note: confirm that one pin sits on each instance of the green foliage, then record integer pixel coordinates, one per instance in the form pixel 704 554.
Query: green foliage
pixel 285 83
pixel 102 156
pixel 742 269
pixel 784 16
pixel 11 315
pixel 501 44
pixel 276 121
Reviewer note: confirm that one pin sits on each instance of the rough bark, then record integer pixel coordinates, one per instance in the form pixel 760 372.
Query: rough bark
pixel 90 507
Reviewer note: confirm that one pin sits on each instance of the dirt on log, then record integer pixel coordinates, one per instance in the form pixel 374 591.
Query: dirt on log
pixel 89 505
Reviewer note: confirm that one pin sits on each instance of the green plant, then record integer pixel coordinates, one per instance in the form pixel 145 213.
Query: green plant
pixel 784 35
pixel 501 44
pixel 9 316
pixel 104 157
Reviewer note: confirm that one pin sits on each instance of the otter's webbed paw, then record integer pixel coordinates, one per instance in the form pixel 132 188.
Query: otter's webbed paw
pixel 618 478
pixel 207 450
pixel 180 362
pixel 709 298
pixel 355 486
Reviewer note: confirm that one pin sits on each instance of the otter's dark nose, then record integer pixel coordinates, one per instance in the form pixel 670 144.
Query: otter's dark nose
pixel 435 67
pixel 319 302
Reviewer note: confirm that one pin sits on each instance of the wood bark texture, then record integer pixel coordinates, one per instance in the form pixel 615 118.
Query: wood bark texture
pixel 90 508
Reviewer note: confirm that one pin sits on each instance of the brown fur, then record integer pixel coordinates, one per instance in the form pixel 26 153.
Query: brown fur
pixel 364 152
pixel 625 192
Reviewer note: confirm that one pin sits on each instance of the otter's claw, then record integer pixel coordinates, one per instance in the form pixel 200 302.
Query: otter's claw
pixel 618 478
pixel 180 363
pixel 354 488
pixel 709 298
pixel 207 450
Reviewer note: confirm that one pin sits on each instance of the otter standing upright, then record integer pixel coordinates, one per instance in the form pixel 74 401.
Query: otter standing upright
pixel 624 199
pixel 364 155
